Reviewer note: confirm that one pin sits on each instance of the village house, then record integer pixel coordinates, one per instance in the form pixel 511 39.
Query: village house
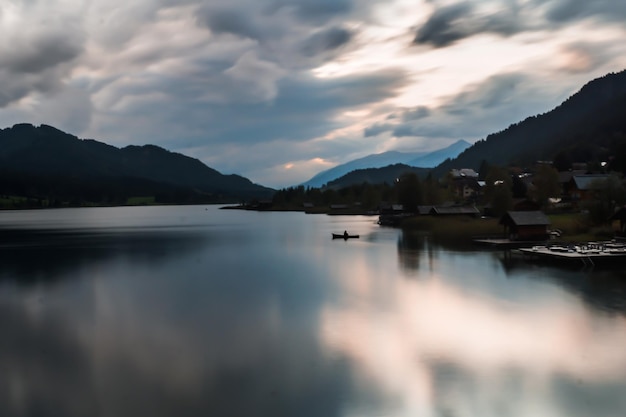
pixel 586 187
pixel 454 211
pixel 525 225
pixel 463 173
pixel 466 188
pixel 465 184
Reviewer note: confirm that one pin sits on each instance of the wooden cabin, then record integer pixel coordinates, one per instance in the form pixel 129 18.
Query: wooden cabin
pixel 454 211
pixel 586 187
pixel 525 225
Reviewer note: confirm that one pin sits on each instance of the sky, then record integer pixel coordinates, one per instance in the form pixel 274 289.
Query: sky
pixel 279 90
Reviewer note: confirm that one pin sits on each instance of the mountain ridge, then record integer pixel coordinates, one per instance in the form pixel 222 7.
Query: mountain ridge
pixel 381 160
pixel 590 120
pixel 43 152
pixel 588 126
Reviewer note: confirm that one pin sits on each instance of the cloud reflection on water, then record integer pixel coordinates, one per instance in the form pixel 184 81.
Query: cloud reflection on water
pixel 272 317
pixel 444 348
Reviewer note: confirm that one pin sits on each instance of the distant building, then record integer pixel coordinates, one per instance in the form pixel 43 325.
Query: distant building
pixel 586 187
pixel 454 211
pixel 466 187
pixel 464 173
pixel 525 225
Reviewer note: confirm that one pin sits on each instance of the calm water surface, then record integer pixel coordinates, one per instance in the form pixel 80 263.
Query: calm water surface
pixel 195 311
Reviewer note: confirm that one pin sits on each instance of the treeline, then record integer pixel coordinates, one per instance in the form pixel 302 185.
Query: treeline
pixel 19 190
pixel 408 190
pixel 539 187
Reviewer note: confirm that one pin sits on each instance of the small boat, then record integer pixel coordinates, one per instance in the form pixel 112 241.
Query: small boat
pixel 344 236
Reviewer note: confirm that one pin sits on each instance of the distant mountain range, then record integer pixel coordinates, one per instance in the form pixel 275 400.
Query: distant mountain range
pixel 412 159
pixel 590 126
pixel 44 162
pixel 387 174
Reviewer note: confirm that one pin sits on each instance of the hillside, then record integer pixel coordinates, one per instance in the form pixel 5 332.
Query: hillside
pixel 382 175
pixel 589 126
pixel 414 159
pixel 44 162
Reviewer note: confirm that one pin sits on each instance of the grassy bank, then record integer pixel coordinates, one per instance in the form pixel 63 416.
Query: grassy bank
pixel 574 227
pixel 454 227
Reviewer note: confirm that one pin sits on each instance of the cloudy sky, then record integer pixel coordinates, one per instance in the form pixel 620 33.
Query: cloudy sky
pixel 278 90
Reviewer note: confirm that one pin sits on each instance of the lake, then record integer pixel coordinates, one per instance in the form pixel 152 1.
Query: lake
pixel 195 311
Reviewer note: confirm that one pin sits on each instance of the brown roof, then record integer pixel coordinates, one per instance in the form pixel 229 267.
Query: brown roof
pixel 454 210
pixel 590 182
pixel 525 218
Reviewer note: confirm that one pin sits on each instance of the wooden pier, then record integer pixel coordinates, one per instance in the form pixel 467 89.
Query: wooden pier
pixel 504 243
pixel 588 253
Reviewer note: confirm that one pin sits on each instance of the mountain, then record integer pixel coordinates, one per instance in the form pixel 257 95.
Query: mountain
pixel 432 159
pixel 415 159
pixel 387 174
pixel 43 161
pixel 588 126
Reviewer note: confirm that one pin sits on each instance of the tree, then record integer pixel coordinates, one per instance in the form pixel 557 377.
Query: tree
pixel 498 191
pixel 409 191
pixel 545 185
pixel 501 200
pixel 562 161
pixel 609 193
pixel 483 170
pixel 496 177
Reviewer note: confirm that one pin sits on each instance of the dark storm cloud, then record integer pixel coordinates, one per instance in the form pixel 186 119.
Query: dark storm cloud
pixel 441 28
pixel 235 22
pixel 326 40
pixel 376 129
pixel 307 107
pixel 36 60
pixel 315 10
pixel 475 112
pixel 416 113
pixel 407 117
pixel 43 51
pixel 497 90
pixel 564 11
pixel 451 23
pixel 455 22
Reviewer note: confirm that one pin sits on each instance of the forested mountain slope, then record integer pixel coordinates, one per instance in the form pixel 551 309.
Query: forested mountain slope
pixel 43 161
pixel 590 125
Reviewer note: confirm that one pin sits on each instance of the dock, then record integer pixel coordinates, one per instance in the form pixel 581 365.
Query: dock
pixel 504 243
pixel 588 253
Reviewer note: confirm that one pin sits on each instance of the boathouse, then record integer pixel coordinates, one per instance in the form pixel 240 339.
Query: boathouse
pixel 525 225
pixel 454 211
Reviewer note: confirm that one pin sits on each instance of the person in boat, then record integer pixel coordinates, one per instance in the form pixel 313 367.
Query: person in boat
pixel 345 234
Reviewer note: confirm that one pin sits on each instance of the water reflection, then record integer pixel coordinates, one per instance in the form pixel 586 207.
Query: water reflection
pixel 446 348
pixel 266 315
pixel 603 287
pixel 178 322
pixel 48 370
pixel 33 255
